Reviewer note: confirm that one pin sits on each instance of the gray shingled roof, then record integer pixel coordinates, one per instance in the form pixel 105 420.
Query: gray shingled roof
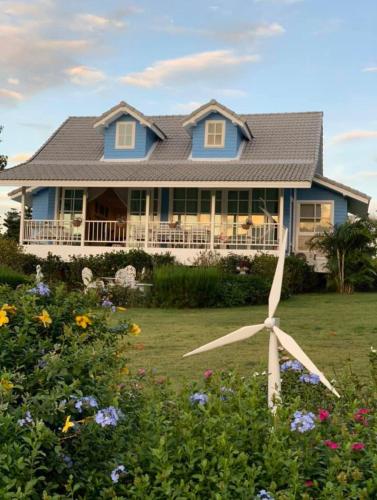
pixel 285 147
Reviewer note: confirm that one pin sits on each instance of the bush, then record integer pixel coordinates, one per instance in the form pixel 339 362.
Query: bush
pixel 206 287
pixel 11 278
pixel 11 254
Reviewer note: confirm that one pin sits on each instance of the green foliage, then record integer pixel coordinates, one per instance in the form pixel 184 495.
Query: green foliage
pixel 11 254
pixel 45 367
pixel 182 286
pixel 350 249
pixel 11 278
pixel 12 222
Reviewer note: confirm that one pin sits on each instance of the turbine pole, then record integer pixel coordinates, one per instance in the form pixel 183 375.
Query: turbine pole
pixel 274 382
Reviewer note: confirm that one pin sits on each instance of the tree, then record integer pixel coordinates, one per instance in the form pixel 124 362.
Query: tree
pixel 350 249
pixel 12 222
pixel 3 158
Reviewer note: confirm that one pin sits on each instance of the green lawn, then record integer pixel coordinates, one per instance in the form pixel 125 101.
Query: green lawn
pixel 332 329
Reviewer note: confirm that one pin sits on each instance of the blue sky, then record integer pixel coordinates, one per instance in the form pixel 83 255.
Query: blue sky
pixel 61 58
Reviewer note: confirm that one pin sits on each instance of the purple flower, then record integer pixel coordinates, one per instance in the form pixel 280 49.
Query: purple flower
pixel 303 422
pixel 28 419
pixel 199 398
pixel 310 378
pixel 116 473
pixel 107 304
pixel 86 401
pixel 294 365
pixel 41 289
pixel 108 416
pixel 68 461
pixel 265 495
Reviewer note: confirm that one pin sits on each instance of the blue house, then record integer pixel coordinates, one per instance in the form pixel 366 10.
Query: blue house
pixel 212 180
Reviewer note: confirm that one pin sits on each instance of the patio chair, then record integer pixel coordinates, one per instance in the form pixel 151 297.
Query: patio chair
pixel 89 282
pixel 126 277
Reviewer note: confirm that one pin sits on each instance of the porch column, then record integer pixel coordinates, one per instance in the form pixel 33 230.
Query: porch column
pixel 281 214
pixel 84 204
pixel 22 218
pixel 147 210
pixel 213 212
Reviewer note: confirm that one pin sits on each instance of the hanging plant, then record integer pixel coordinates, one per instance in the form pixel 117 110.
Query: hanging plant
pixel 173 225
pixel 121 222
pixel 77 222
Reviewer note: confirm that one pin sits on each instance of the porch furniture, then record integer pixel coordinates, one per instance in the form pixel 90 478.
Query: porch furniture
pixel 126 277
pixel 89 282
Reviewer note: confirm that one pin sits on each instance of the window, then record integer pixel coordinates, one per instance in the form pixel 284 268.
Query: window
pixel 138 204
pixel 72 203
pixel 238 203
pixel 214 134
pixel 313 218
pixel 205 202
pixel 267 199
pixel 125 135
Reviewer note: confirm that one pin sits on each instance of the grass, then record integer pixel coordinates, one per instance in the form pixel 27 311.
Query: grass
pixel 333 330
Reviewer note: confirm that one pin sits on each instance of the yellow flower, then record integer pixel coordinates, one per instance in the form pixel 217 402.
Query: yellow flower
pixel 135 329
pixel 125 370
pixel 6 385
pixel 45 318
pixel 121 309
pixel 83 321
pixel 9 309
pixel 68 424
pixel 3 318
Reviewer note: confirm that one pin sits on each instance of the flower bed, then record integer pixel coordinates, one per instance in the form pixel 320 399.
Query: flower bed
pixel 75 423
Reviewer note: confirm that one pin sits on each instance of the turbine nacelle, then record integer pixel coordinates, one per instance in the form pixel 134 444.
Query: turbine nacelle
pixel 269 323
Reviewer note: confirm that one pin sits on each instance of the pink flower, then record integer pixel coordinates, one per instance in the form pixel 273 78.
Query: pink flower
pixel 141 372
pixel 360 416
pixel 207 374
pixel 323 415
pixel 309 483
pixel 358 446
pixel 331 444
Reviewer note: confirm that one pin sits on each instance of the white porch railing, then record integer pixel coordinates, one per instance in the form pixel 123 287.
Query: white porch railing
pixel 227 236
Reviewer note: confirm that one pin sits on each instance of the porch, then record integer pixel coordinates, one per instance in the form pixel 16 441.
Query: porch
pixel 181 221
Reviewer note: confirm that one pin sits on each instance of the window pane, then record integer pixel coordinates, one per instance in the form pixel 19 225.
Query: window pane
pixel 78 206
pixel 211 128
pixel 67 205
pixel 192 194
pixel 179 194
pixel 232 207
pixel 218 140
pixel 211 140
pixel 258 193
pixel 205 207
pixel 243 208
pixel 307 210
pixel 273 207
pixel 244 195
pixel 219 128
pixel 272 194
pixel 179 206
pixel 191 207
pixel 307 226
pixel 232 195
pixel 257 207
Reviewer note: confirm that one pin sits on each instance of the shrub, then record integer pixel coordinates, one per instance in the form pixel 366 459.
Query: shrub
pixel 11 254
pixel 232 262
pixel 182 286
pixel 243 290
pixel 11 278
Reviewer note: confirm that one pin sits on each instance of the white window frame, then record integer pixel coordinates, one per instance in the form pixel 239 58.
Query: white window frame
pixel 214 146
pixel 117 132
pixel 297 218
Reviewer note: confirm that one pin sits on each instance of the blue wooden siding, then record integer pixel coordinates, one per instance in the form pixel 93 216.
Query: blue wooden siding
pixel 44 204
pixel 233 138
pixel 317 193
pixel 144 139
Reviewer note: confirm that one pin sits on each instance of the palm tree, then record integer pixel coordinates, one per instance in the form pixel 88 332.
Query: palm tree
pixel 349 248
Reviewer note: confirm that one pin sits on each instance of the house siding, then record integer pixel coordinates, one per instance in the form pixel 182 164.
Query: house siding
pixel 318 193
pixel 233 139
pixel 144 139
pixel 287 218
pixel 44 204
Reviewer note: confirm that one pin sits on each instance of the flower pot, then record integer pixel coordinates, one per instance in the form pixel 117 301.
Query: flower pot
pixel 77 222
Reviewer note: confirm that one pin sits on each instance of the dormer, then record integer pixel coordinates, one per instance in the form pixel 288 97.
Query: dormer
pixel 216 131
pixel 127 133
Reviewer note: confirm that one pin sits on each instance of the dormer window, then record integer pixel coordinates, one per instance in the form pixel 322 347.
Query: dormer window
pixel 214 134
pixel 125 135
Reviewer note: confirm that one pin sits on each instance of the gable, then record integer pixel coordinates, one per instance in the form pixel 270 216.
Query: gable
pixel 144 140
pixel 232 138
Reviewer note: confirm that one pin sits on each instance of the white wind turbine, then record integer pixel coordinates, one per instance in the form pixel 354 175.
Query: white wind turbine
pixel 276 335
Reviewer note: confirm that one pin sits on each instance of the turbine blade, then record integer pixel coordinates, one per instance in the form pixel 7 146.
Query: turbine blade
pixel 295 350
pixel 275 293
pixel 241 334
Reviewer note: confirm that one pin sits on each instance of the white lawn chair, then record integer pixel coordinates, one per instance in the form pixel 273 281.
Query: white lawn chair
pixel 89 282
pixel 126 277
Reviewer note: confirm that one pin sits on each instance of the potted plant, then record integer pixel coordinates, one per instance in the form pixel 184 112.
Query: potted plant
pixel 77 221
pixel 248 223
pixel 121 222
pixel 173 224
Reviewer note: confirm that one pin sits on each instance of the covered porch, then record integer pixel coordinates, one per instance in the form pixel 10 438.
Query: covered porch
pixel 179 220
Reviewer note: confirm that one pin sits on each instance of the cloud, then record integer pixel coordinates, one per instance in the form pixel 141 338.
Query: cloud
pixel 354 135
pixel 203 65
pixel 187 107
pixel 370 69
pixel 249 33
pixel 92 22
pixel 13 81
pixel 9 97
pixel 84 75
pixel 18 158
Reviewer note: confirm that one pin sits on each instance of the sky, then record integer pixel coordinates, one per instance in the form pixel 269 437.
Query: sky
pixel 63 58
